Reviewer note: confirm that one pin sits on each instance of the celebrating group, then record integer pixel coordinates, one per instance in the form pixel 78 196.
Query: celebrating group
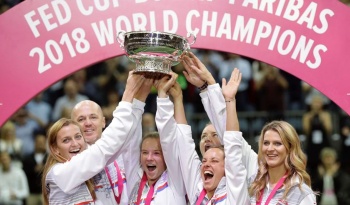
pixel 119 164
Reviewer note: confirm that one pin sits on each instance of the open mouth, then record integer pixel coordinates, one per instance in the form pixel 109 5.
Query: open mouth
pixel 151 168
pixel 271 155
pixel 208 175
pixel 76 151
pixel 206 147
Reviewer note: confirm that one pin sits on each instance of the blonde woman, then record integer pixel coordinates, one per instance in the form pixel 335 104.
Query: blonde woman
pixel 281 176
pixel 215 106
pixel 70 165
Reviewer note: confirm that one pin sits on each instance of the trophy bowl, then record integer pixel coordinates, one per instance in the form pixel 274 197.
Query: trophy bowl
pixel 153 52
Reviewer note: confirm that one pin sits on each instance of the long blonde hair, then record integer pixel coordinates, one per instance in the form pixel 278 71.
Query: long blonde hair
pixel 54 158
pixel 295 161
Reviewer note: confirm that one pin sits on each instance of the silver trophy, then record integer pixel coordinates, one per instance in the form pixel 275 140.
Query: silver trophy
pixel 154 52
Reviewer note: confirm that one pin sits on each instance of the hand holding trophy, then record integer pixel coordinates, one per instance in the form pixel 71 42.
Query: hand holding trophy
pixel 154 52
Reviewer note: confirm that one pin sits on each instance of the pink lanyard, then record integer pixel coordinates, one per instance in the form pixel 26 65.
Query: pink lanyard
pixel 201 197
pixel 120 182
pixel 278 185
pixel 149 194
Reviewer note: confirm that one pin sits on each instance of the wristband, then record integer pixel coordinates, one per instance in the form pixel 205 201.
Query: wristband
pixel 203 87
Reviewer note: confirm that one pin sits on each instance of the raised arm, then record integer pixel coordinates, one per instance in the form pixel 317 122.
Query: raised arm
pixel 236 173
pixel 215 106
pixel 229 90
pixel 71 174
pixel 168 128
pixel 131 153
pixel 196 72
pixel 213 101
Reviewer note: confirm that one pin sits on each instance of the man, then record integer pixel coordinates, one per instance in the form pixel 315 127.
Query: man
pixel 110 183
pixel 89 115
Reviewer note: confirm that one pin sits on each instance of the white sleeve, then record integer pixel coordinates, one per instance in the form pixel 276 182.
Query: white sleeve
pixel 91 161
pixel 249 159
pixel 215 107
pixel 137 111
pixel 131 152
pixel 168 132
pixel 236 173
pixel 309 199
pixel 189 162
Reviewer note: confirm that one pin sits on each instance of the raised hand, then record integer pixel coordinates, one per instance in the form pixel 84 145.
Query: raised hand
pixel 230 88
pixel 164 84
pixel 196 73
pixel 177 98
pixel 145 89
pixel 176 92
pixel 133 84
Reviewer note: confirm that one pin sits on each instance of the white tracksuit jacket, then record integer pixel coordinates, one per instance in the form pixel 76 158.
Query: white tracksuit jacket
pixel 215 106
pixel 66 181
pixel 169 189
pixel 232 189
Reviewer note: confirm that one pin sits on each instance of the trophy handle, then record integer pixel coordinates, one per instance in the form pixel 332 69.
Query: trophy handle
pixel 121 38
pixel 194 38
pixel 187 45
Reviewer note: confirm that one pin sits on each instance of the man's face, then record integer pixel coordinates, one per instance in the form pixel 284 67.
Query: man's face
pixel 89 115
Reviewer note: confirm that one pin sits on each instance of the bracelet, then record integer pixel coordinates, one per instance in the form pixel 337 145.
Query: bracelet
pixel 230 100
pixel 203 87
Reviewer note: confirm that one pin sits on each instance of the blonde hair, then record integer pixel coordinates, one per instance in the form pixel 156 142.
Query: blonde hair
pixel 295 162
pixel 54 158
pixel 9 125
pixel 327 151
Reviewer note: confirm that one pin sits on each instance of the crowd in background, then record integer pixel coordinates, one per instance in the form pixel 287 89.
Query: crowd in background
pixel 266 93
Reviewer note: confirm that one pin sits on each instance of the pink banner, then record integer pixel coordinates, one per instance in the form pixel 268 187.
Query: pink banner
pixel 44 41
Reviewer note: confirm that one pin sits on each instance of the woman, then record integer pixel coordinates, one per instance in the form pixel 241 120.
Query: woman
pixel 215 106
pixel 282 166
pixel 153 176
pixel 217 179
pixel 70 165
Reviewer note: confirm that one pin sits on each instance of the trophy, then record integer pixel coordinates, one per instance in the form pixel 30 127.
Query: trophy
pixel 154 53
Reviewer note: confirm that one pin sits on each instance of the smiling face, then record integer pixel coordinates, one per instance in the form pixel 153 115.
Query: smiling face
pixel 273 150
pixel 212 169
pixel 209 139
pixel 89 115
pixel 69 142
pixel 152 160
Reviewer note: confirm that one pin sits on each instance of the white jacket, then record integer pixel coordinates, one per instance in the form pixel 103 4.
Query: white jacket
pixel 215 106
pixel 169 189
pixel 103 187
pixel 66 181
pixel 232 189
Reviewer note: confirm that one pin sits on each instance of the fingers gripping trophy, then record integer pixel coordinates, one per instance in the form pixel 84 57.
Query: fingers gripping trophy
pixel 154 52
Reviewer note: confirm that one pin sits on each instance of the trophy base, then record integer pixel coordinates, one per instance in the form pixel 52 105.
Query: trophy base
pixel 153 68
